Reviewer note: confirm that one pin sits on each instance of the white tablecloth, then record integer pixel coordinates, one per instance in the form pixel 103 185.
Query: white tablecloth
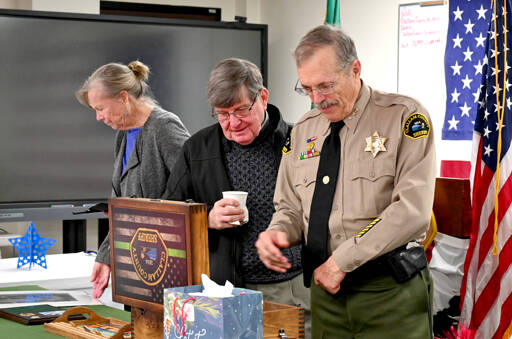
pixel 64 272
pixel 447 268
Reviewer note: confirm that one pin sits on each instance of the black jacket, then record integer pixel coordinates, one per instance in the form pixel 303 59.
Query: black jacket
pixel 200 174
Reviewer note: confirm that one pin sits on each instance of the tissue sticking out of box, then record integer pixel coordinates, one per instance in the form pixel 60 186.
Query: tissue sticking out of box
pixel 212 289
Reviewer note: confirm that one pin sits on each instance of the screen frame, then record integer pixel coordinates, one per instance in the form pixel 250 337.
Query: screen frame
pixel 151 20
pixel 63 209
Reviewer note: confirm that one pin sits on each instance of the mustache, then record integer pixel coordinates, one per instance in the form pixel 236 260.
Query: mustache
pixel 325 104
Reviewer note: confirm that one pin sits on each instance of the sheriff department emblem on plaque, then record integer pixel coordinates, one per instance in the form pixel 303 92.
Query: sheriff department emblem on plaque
pixel 149 255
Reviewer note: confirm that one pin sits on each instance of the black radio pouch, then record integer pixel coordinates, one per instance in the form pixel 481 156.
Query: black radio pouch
pixel 405 264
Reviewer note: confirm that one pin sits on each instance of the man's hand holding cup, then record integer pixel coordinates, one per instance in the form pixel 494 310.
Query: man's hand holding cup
pixel 230 211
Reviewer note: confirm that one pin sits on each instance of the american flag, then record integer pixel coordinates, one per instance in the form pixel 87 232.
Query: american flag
pixel 486 290
pixel 464 61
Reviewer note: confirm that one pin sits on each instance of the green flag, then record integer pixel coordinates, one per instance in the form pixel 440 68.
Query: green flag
pixel 332 17
pixel 332 14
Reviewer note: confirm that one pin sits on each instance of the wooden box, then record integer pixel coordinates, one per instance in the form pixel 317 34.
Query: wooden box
pixel 155 244
pixel 278 317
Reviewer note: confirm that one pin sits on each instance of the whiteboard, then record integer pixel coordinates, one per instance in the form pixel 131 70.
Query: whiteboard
pixel 422 34
pixel 421 43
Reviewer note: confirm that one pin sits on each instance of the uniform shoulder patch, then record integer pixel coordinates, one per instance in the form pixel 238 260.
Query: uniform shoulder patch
pixel 287 148
pixel 416 126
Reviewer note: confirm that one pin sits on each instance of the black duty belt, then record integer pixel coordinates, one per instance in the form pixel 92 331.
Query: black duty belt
pixel 373 268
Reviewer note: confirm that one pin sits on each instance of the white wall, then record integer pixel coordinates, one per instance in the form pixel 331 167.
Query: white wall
pixel 374 27
pixel 82 6
pixel 287 21
pixel 16 4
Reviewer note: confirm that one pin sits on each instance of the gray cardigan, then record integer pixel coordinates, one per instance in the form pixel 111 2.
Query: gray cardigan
pixel 149 166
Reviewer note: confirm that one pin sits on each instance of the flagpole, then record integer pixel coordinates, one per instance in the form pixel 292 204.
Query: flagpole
pixel 501 113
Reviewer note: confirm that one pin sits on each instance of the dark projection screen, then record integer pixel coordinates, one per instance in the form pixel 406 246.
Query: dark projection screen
pixel 51 148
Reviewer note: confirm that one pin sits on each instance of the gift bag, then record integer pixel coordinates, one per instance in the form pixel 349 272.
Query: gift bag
pixel 192 316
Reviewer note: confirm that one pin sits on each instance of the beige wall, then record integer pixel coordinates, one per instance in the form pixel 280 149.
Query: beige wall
pixel 16 4
pixel 73 6
pixel 287 21
pixel 82 6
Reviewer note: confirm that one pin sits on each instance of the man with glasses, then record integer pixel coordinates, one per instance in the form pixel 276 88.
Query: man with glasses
pixel 358 186
pixel 241 152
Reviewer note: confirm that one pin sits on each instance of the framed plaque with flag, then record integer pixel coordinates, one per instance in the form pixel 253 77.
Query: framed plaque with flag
pixel 155 244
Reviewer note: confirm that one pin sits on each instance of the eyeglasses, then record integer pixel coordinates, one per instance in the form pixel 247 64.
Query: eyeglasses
pixel 322 89
pixel 239 113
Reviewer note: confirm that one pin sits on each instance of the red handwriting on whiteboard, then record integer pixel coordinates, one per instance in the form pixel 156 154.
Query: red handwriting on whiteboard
pixel 418 28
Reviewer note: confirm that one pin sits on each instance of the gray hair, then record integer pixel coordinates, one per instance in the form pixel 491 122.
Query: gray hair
pixel 229 77
pixel 114 78
pixel 323 36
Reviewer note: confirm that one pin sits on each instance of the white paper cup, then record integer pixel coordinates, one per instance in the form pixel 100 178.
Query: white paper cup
pixel 241 197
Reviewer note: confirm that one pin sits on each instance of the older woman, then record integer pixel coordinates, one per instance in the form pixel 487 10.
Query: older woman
pixel 146 144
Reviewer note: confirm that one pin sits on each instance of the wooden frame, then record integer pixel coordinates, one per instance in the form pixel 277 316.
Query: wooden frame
pixel 278 317
pixel 155 244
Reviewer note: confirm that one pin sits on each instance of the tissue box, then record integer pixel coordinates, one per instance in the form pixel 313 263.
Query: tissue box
pixel 190 316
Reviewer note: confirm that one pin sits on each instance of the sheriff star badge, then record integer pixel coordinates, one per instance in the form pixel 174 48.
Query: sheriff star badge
pixel 375 144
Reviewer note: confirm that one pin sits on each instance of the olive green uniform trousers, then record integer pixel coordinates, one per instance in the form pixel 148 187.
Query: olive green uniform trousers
pixel 374 308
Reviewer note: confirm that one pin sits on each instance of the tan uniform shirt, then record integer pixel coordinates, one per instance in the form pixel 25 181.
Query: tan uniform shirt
pixel 396 186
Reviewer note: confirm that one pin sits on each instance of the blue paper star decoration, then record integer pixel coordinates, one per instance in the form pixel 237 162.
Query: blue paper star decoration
pixel 32 247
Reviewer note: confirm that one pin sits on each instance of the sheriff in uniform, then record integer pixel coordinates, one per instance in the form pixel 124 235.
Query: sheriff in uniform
pixel 374 282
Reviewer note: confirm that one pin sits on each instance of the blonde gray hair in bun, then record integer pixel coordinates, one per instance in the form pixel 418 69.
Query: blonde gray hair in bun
pixel 140 70
pixel 116 77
